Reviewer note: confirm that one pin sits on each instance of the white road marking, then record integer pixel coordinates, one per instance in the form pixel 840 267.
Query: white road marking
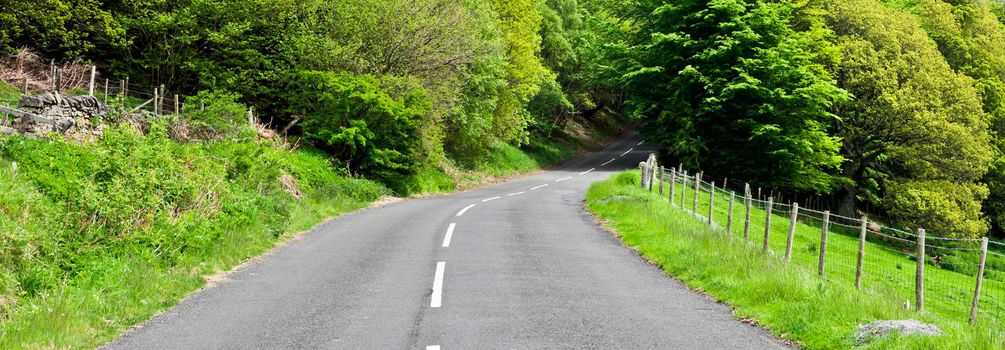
pixel 433 347
pixel 627 152
pixel 490 199
pixel 588 171
pixel 608 162
pixel 537 187
pixel 640 143
pixel 465 210
pixel 450 233
pixel 438 285
pixel 563 179
pixel 515 194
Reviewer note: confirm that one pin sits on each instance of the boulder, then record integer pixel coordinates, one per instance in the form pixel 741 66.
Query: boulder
pixel 881 329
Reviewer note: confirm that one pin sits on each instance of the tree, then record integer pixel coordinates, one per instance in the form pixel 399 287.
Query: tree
pixel 914 122
pixel 733 86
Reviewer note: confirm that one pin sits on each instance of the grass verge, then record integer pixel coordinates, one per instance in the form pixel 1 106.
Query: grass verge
pixel 791 301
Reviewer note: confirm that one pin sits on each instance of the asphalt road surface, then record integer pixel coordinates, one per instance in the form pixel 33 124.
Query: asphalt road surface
pixel 518 265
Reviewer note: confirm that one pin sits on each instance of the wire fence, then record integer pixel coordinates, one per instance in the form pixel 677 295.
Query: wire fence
pixel 962 279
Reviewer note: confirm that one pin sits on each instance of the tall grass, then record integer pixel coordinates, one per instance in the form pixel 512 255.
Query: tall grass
pixel 790 300
pixel 95 238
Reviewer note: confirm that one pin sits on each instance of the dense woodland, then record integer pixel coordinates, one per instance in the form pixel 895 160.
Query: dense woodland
pixel 898 104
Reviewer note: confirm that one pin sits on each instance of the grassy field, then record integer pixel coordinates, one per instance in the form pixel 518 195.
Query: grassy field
pixel 888 266
pixel 790 300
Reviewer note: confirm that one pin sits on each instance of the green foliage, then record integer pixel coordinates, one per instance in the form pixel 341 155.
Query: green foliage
pixel 913 119
pixel 138 219
pixel 734 86
pixel 59 28
pixel 370 123
pixel 215 113
pixel 943 208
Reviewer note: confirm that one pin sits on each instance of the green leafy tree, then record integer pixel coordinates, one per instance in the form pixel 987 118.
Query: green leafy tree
pixel 734 86
pixel 61 29
pixel 914 124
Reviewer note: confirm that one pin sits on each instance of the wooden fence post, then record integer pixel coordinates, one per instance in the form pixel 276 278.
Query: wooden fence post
pixel 90 86
pixel 155 101
pixel 24 85
pixel 980 278
pixel 663 177
pixel 106 92
pixel 697 191
pixel 767 222
pixel 177 111
pixel 683 189
pixel 711 203
pixel 673 185
pixel 642 174
pixel 861 251
pixel 59 80
pixel 919 276
pixel 746 222
pixel 793 221
pixel 125 90
pixel 729 216
pixel 823 242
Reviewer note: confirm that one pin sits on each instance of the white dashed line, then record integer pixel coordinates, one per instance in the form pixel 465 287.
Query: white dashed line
pixel 450 233
pixel 608 162
pixel 537 187
pixel 490 199
pixel 433 347
pixel 515 194
pixel 640 143
pixel 563 179
pixel 627 152
pixel 588 171
pixel 438 285
pixel 465 210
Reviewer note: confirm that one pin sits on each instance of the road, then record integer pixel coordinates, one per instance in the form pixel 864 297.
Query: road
pixel 517 265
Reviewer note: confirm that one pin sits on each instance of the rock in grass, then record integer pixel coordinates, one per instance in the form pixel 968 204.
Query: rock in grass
pixel 881 329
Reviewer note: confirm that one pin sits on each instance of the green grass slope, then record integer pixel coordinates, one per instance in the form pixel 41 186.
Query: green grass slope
pixel 790 300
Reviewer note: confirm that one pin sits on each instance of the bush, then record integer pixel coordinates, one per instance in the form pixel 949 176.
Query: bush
pixel 371 123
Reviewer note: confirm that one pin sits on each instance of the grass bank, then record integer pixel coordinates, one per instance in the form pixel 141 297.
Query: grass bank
pixel 791 301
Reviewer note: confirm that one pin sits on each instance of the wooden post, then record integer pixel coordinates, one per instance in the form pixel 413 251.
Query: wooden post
pixel 176 110
pixel 24 85
pixel 90 86
pixel 729 216
pixel 673 185
pixel 919 276
pixel 823 242
pixel 980 278
pixel 155 100
pixel 711 203
pixel 160 102
pixel 106 92
pixel 663 178
pixel 767 222
pixel 746 222
pixel 59 78
pixel 683 190
pixel 697 191
pixel 642 175
pixel 861 251
pixel 793 221
pixel 125 89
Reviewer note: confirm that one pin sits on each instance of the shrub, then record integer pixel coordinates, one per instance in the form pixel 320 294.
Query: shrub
pixel 372 123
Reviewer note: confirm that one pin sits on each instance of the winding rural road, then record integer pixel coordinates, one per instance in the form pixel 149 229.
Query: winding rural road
pixel 518 265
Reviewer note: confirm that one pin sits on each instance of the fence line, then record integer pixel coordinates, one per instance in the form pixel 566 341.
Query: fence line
pixel 972 290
